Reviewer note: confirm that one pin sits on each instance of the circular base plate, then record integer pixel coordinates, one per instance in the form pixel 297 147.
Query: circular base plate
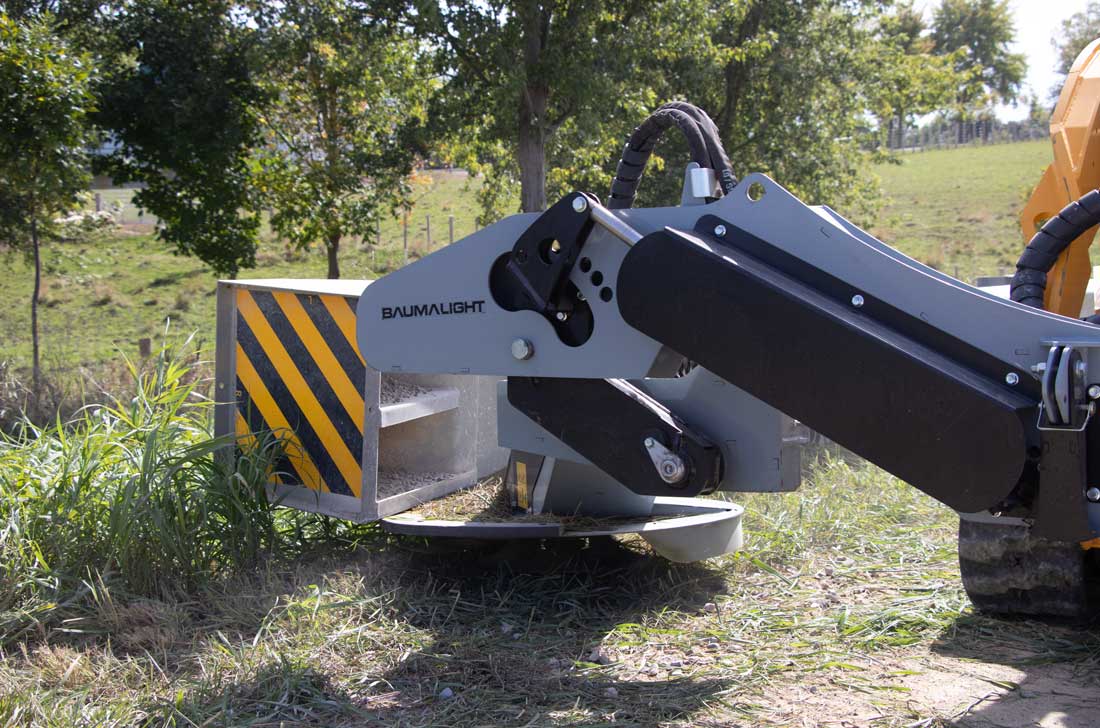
pixel 680 529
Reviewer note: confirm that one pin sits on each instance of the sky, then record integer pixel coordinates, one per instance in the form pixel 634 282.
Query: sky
pixel 1037 22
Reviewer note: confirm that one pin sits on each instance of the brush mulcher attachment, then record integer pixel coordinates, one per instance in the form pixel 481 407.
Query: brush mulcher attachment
pixel 637 359
pixel 365 445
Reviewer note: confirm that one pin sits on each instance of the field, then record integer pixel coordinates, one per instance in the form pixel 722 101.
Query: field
pixel 100 297
pixel 844 609
pixel 957 209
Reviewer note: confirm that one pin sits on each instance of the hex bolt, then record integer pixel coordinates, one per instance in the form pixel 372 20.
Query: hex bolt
pixel 1012 379
pixel 1094 391
pixel 857 300
pixel 720 231
pixel 561 316
pixel 1093 494
pixel 579 204
pixel 522 349
pixel 650 442
pixel 673 470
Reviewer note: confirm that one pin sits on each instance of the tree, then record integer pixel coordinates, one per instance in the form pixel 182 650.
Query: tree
pixel 179 107
pixel 1078 30
pixel 342 133
pixel 521 71
pixel 790 84
pixel 44 135
pixel 910 79
pixel 979 33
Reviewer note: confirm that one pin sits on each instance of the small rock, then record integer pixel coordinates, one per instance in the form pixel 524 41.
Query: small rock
pixel 516 635
pixel 676 663
pixel 506 628
pixel 676 673
pixel 710 608
pixel 446 693
pixel 610 693
pixel 599 657
pixel 1028 693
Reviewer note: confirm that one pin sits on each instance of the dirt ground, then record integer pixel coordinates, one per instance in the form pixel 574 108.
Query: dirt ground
pixel 966 679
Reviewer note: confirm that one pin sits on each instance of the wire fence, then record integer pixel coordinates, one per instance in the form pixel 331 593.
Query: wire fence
pixel 979 132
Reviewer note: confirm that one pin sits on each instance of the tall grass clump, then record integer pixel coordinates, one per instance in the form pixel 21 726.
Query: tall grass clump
pixel 136 495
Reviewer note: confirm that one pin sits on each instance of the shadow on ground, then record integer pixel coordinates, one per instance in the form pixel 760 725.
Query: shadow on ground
pixel 517 633
pixel 1034 673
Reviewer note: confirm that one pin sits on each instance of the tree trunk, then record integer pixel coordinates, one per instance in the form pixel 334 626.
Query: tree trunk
pixel 36 367
pixel 332 249
pixel 532 149
pixel 533 102
pixel 736 72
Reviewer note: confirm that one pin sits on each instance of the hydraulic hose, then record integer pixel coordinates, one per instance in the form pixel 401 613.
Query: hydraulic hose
pixel 1030 281
pixel 702 138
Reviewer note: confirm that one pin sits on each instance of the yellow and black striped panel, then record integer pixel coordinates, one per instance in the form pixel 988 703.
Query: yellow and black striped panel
pixel 299 374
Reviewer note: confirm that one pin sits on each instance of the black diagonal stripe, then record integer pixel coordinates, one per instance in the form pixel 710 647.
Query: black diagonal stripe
pixel 257 425
pixel 312 444
pixel 315 378
pixel 332 334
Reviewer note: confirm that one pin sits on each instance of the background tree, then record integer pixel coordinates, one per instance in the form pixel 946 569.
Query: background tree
pixel 522 71
pixel 179 106
pixel 1078 30
pixel 44 136
pixel 979 34
pixel 342 132
pixel 911 79
pixel 790 85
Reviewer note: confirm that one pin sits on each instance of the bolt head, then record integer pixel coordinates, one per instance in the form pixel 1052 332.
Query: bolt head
pixel 1094 391
pixel 672 470
pixel 561 316
pixel 1012 379
pixel 720 231
pixel 1093 494
pixel 650 442
pixel 522 349
pixel 579 204
pixel 857 300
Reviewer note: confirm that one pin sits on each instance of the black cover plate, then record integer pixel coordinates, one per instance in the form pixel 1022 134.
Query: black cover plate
pixel 956 435
pixel 607 422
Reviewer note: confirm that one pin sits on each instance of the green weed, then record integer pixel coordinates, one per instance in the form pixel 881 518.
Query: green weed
pixel 133 494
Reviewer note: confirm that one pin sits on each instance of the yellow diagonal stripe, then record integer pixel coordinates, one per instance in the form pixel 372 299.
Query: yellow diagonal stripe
pixel 262 400
pixel 313 341
pixel 347 463
pixel 340 310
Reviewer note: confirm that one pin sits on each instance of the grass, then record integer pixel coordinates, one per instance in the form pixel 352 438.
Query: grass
pixel 102 296
pixel 833 586
pixel 957 209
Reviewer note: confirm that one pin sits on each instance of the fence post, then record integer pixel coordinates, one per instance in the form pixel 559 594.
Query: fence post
pixel 405 237
pixel 450 229
pixel 428 230
pixel 98 202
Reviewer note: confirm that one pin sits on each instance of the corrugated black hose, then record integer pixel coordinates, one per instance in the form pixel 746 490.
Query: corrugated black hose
pixel 1030 282
pixel 702 138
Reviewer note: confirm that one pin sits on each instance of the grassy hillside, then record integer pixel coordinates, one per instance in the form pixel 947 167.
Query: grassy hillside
pixel 954 209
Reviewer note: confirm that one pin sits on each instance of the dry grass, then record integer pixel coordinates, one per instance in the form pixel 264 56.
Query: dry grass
pixel 835 587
